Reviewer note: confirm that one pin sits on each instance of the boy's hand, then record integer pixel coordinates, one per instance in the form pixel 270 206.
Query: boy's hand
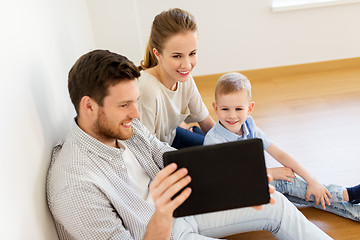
pixel 320 193
pixel 281 173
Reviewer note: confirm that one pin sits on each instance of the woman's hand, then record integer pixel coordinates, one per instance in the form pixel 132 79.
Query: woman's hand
pixel 186 126
pixel 281 173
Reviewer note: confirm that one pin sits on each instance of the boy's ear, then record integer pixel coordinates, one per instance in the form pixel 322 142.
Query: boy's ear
pixel 214 106
pixel 251 107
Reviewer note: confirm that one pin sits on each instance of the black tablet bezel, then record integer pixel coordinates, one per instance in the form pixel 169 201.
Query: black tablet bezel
pixel 224 176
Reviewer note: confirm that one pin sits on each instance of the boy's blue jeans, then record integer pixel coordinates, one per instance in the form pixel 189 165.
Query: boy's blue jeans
pixel 295 191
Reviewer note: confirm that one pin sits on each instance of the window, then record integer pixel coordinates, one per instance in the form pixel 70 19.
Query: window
pixel 288 5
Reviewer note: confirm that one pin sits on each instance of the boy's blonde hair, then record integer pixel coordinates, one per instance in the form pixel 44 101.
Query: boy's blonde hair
pixel 232 82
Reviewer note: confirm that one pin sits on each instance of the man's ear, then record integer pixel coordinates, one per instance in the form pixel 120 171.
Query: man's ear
pixel 88 105
pixel 251 107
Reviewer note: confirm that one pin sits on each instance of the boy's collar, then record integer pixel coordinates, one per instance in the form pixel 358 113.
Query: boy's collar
pixel 230 136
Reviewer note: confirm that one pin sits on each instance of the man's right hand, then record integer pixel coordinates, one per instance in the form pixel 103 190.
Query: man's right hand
pixel 164 186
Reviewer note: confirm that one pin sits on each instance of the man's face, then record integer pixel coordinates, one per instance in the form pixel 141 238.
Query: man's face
pixel 114 118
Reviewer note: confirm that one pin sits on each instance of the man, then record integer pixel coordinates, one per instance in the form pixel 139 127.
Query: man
pixel 98 181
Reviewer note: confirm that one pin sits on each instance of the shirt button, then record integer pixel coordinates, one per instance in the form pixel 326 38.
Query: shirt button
pixel 110 158
pixel 123 166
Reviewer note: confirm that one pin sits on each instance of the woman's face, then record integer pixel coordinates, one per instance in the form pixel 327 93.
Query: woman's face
pixel 178 57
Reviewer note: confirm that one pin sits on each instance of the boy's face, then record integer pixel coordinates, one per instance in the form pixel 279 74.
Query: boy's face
pixel 232 110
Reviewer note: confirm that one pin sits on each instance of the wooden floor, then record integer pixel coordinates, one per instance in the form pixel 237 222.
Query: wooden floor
pixel 313 112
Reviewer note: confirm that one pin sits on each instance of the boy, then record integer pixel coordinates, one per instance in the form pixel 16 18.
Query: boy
pixel 233 106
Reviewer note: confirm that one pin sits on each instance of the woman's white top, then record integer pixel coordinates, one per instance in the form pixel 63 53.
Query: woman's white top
pixel 162 110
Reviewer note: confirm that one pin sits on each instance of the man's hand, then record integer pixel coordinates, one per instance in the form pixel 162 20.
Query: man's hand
pixel 271 191
pixel 164 186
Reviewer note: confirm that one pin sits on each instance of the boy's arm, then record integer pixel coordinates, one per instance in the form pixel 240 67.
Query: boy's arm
pixel 320 193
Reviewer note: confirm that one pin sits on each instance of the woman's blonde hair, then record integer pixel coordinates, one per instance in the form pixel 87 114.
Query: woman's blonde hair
pixel 165 25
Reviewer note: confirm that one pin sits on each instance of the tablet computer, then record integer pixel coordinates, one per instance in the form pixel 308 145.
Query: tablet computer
pixel 224 176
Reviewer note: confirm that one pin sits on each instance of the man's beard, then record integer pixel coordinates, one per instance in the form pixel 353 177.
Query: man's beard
pixel 104 130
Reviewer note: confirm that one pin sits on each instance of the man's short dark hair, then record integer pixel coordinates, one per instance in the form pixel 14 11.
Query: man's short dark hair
pixel 94 72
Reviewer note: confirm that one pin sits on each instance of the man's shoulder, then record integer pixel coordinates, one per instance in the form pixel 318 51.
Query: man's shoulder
pixel 141 134
pixel 67 145
pixel 138 126
pixel 67 157
pixel 72 166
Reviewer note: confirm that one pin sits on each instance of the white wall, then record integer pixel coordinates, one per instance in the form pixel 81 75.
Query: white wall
pixel 40 41
pixel 115 27
pixel 238 34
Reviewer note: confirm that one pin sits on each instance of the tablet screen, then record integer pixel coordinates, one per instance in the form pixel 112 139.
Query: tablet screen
pixel 224 176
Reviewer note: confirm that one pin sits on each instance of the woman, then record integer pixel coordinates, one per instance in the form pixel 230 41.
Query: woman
pixel 169 97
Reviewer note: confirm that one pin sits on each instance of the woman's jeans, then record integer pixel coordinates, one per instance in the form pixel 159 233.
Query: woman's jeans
pixel 185 138
pixel 295 191
pixel 282 219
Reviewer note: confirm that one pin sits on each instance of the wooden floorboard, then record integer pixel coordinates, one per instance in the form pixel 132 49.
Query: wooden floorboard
pixel 312 111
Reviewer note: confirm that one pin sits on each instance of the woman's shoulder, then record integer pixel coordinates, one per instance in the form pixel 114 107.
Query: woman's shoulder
pixel 148 83
pixel 146 77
